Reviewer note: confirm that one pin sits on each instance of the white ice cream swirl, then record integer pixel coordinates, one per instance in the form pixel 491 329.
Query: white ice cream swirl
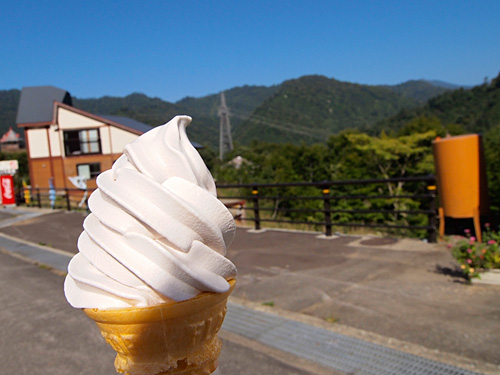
pixel 157 230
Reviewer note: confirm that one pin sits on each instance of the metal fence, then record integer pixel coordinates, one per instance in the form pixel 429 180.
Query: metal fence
pixel 67 199
pixel 259 199
pixel 321 207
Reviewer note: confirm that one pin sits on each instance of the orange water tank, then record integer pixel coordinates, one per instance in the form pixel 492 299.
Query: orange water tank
pixel 461 178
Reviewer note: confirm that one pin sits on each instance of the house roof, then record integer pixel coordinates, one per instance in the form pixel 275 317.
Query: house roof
pixel 36 106
pixel 10 136
pixel 36 103
pixel 128 122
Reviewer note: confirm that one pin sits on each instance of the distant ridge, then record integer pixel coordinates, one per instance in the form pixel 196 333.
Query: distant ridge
pixel 310 108
pixel 446 85
pixel 316 106
pixel 475 110
pixel 419 90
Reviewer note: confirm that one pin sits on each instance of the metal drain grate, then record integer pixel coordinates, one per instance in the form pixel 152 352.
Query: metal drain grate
pixel 330 349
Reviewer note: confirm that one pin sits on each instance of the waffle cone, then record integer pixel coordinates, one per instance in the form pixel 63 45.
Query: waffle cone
pixel 172 338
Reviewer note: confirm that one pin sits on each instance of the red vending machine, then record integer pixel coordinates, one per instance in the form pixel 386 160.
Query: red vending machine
pixel 7 187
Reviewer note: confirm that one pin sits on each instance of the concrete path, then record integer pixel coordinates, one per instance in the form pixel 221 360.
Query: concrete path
pixel 401 302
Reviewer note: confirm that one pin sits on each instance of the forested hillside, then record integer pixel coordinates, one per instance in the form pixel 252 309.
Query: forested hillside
pixel 474 110
pixel 154 111
pixel 345 104
pixel 314 129
pixel 401 146
pixel 311 108
pixel 9 100
pixel 420 90
pixel 241 102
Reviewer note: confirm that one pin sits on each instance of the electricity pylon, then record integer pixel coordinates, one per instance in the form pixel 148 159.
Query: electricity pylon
pixel 225 139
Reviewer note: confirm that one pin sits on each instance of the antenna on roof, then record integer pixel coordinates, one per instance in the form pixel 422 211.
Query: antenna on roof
pixel 225 139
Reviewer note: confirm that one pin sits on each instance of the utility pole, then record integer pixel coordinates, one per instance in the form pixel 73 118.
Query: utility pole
pixel 225 139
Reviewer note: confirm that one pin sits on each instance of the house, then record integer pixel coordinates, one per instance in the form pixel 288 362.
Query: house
pixel 11 141
pixel 63 141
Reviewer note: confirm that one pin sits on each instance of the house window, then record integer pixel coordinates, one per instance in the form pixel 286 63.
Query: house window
pixel 78 142
pixel 88 171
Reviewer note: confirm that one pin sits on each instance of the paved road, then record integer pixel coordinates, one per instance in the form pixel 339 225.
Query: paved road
pixel 44 335
pixel 403 295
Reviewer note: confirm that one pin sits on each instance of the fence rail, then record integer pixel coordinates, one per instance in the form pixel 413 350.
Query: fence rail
pixel 68 199
pixel 424 196
pixel 326 194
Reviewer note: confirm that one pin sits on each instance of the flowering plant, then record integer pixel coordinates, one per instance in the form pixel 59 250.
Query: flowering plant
pixel 474 256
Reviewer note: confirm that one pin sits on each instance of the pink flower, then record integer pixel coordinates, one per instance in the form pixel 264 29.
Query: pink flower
pixel 491 242
pixel 472 239
pixel 467 231
pixel 469 261
pixel 486 225
pixel 450 246
pixel 469 251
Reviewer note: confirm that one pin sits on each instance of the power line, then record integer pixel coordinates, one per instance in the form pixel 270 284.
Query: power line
pixel 289 127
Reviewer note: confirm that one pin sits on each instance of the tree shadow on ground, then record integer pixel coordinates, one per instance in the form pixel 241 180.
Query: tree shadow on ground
pixel 454 272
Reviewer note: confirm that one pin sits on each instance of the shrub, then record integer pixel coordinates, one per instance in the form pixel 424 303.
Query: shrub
pixel 474 256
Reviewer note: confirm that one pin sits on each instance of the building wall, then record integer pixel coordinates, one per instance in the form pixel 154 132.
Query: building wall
pixel 67 119
pixel 120 138
pixel 47 156
pixel 11 146
pixel 62 168
pixel 38 143
pixel 42 169
pixel 113 139
pixel 55 141
pixel 71 163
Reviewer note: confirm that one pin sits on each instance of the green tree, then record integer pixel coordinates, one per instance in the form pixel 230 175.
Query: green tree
pixel 345 160
pixel 22 159
pixel 424 124
pixel 492 157
pixel 397 157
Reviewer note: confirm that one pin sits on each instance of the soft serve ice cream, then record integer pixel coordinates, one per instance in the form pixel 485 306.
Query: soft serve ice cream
pixel 156 232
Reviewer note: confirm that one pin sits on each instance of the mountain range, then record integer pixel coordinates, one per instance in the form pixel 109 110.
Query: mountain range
pixel 473 110
pixel 306 109
pixel 310 108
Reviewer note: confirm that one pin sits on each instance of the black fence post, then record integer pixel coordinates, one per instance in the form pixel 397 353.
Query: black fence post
pixel 68 202
pixel 255 194
pixel 39 199
pixel 432 217
pixel 327 208
pixel 87 204
pixel 427 204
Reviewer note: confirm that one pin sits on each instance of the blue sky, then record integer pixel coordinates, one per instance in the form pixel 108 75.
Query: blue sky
pixel 173 49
